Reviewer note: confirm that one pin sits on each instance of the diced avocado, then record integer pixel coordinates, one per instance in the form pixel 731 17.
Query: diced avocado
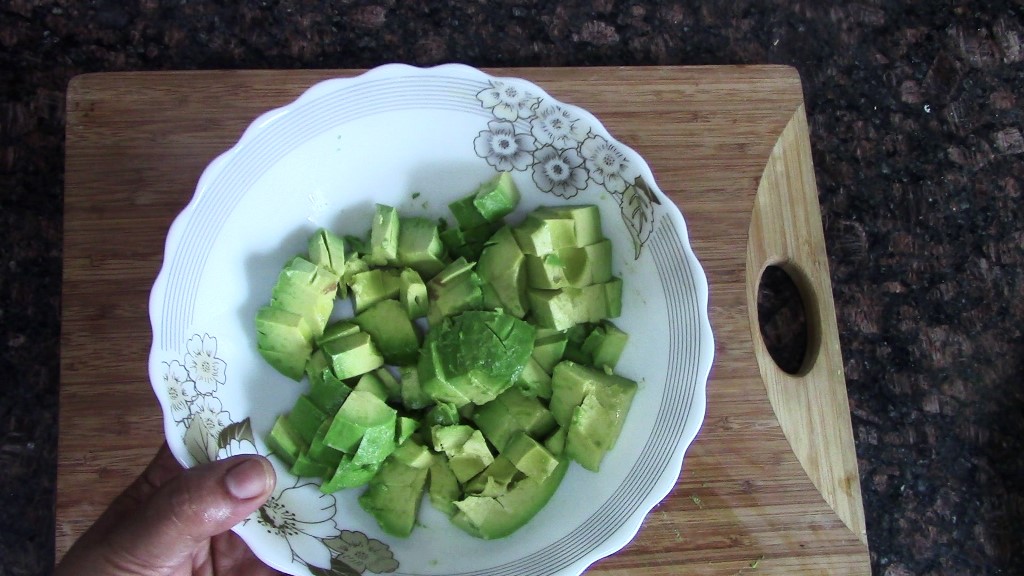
pixel 465 447
pixel 384 233
pixel 284 339
pixel 441 414
pixel 322 453
pixel 420 247
pixel 589 434
pixel 336 330
pixel 443 486
pixel 533 380
pixel 604 345
pixel 468 243
pixel 466 213
pixel 284 441
pixel 406 427
pixel 501 267
pixel 571 266
pixel 548 348
pixel 372 383
pixel 358 246
pixel 361 412
pixel 304 466
pixel 493 480
pixel 455 289
pixel 497 197
pixel 317 365
pixel 555 443
pixel 393 496
pixel 413 396
pixel 511 413
pixel 392 331
pixel 378 443
pixel 413 454
pixel 474 356
pixel 374 285
pixel 391 383
pixel 529 456
pixel 287 364
pixel 305 418
pixel 328 393
pixel 327 250
pixel 412 293
pixel 538 236
pixel 586 221
pixel 306 289
pixel 592 405
pixel 349 475
pixel 449 439
pixel 565 307
pixel 353 355
pixel 491 518
pixel 354 265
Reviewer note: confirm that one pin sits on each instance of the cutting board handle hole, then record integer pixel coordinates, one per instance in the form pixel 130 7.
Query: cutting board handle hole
pixel 784 318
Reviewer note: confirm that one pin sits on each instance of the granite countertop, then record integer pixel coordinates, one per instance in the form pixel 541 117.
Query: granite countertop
pixel 916 121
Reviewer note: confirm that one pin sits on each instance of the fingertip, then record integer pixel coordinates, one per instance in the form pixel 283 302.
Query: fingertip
pixel 250 479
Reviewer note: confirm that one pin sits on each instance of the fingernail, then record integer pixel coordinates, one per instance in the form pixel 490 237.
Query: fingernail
pixel 247 479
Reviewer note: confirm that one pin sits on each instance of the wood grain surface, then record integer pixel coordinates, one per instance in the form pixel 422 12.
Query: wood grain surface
pixel 770 485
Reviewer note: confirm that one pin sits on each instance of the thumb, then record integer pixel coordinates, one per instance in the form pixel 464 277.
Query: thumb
pixel 185 512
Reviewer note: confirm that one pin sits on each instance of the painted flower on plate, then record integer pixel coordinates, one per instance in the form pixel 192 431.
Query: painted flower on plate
pixel 180 390
pixel 607 164
pixel 203 366
pixel 210 410
pixel 559 172
pixel 362 553
pixel 557 126
pixel 236 447
pixel 503 148
pixel 303 518
pixel 507 101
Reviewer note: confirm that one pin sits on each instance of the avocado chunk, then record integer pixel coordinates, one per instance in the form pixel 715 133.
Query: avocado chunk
pixel 420 247
pixel 392 331
pixel 443 487
pixel 384 234
pixel 394 494
pixel 352 355
pixel 604 345
pixel 511 413
pixel 465 447
pixel 284 441
pixel 306 289
pixel 592 405
pixel 374 285
pixel 571 266
pixel 565 307
pixel 412 293
pixel 305 418
pixel 328 393
pixel 474 356
pixel 529 456
pixel 501 268
pixel 362 412
pixel 586 221
pixel 455 289
pixel 336 330
pixel 496 517
pixel 497 197
pixel 284 339
pixel 493 480
pixel 327 250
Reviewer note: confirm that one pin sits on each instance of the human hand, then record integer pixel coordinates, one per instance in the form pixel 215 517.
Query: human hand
pixel 176 522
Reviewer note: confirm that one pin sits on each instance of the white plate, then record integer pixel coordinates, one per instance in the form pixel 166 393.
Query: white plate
pixel 418 139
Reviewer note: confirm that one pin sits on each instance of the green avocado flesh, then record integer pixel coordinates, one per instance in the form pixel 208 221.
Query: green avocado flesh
pixel 477 364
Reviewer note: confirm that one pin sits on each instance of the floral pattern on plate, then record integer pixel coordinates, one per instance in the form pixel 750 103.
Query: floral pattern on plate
pixel 565 157
pixel 299 517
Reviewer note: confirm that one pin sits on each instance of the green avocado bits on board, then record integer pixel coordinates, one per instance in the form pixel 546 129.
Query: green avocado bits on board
pixel 478 362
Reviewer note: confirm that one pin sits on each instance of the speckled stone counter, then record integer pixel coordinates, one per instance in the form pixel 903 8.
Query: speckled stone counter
pixel 916 123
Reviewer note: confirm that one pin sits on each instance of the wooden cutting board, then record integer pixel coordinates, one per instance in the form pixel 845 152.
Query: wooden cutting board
pixel 770 486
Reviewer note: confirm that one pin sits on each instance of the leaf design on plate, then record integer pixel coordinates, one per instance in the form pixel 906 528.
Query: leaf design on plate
pixel 338 568
pixel 638 214
pixel 236 431
pixel 641 185
pixel 199 441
